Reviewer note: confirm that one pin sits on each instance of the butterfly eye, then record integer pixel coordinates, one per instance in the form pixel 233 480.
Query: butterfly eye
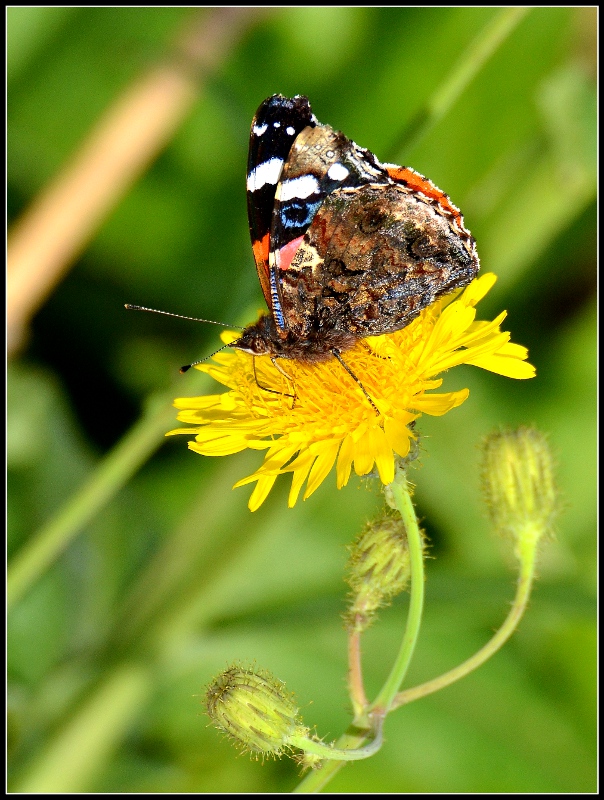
pixel 296 213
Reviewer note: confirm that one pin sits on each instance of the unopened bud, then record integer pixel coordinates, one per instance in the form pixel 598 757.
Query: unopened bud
pixel 378 569
pixel 519 486
pixel 254 710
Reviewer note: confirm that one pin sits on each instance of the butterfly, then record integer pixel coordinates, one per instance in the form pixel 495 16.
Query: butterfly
pixel 345 247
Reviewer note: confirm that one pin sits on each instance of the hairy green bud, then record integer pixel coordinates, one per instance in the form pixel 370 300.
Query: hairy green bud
pixel 519 487
pixel 254 710
pixel 378 569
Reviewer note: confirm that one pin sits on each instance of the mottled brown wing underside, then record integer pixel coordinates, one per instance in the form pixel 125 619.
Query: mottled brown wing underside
pixel 372 259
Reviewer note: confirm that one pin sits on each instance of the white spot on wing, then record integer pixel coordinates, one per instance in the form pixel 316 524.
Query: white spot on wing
pixel 268 172
pixel 338 172
pixel 290 131
pixel 301 188
pixel 276 124
pixel 259 129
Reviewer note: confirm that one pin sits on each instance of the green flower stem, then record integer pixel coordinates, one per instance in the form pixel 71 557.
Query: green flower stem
pixel 461 75
pixel 338 754
pixel 355 678
pixel 523 590
pixel 44 547
pixel 353 739
pixel 399 490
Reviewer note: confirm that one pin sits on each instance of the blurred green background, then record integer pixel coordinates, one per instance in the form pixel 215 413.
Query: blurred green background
pixel 110 648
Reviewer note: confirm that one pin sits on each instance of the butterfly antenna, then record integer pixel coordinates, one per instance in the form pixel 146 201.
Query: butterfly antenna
pixel 131 307
pixel 187 367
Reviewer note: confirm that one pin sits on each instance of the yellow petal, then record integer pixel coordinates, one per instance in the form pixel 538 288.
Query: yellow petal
pixel 398 435
pixel 188 431
pixel 345 459
pixel 228 337
pixel 479 331
pixel 321 468
pixel 384 460
pixel 225 446
pixel 514 350
pixel 363 455
pixel 478 288
pixel 261 491
pixel 504 365
pixel 298 478
pixel 438 404
pixel 205 402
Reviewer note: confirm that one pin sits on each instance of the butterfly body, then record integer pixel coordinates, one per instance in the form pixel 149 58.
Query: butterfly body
pixel 345 247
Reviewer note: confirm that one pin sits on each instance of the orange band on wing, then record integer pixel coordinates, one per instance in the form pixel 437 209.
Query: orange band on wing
pixel 260 250
pixel 418 183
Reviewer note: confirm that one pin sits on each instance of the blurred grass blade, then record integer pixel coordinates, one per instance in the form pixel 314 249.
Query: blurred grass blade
pixel 134 129
pixel 79 751
pixel 113 472
pixel 471 62
pixel 534 209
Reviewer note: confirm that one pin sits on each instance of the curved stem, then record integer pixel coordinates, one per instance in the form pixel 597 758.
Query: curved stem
pixel 355 677
pixel 339 754
pixel 523 590
pixel 319 778
pixel 402 501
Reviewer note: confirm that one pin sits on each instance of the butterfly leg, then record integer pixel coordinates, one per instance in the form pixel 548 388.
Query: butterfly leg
pixel 273 391
pixel 281 370
pixel 287 378
pixel 337 355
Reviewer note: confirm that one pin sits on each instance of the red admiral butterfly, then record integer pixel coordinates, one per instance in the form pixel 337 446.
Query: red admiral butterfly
pixel 345 247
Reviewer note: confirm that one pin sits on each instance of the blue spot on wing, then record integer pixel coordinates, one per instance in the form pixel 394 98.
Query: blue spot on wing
pixel 298 214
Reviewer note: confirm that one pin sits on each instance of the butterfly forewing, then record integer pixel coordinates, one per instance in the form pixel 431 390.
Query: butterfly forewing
pixel 274 129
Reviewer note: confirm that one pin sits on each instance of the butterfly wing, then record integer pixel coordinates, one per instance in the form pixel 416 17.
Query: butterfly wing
pixel 320 162
pixel 275 126
pixel 423 187
pixel 373 258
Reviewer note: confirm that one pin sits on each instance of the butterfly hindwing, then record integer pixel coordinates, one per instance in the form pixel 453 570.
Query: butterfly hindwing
pixel 372 259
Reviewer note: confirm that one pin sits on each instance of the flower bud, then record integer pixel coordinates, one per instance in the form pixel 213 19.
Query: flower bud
pixel 378 569
pixel 254 710
pixel 519 486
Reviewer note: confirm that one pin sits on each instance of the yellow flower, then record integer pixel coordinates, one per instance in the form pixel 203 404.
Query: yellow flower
pixel 315 416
